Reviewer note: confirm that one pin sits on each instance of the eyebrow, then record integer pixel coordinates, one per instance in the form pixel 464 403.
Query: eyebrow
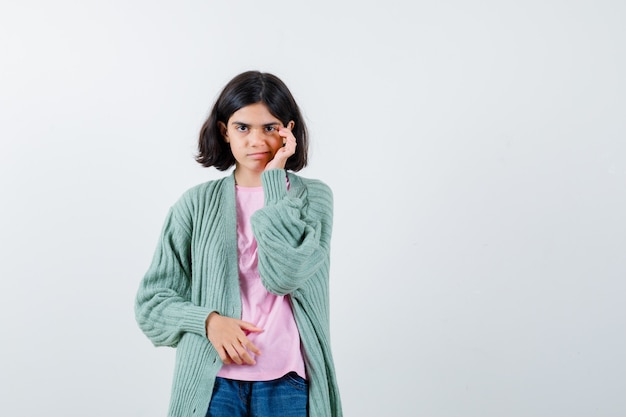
pixel 248 124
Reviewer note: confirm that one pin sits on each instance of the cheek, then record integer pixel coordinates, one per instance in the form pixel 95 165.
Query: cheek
pixel 277 144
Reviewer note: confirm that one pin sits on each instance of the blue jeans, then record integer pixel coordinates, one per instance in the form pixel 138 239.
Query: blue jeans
pixel 283 397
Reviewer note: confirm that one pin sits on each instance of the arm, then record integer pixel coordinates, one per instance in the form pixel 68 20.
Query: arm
pixel 163 306
pixel 292 232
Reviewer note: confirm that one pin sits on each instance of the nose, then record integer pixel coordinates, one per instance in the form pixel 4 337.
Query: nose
pixel 257 137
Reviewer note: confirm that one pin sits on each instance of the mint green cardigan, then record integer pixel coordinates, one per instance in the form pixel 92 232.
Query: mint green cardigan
pixel 194 272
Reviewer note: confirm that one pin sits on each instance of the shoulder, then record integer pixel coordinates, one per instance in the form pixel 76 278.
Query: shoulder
pixel 199 195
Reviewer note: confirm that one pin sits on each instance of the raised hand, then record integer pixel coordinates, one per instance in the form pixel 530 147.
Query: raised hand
pixel 288 149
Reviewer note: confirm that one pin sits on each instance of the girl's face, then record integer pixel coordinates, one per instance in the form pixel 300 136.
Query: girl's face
pixel 252 132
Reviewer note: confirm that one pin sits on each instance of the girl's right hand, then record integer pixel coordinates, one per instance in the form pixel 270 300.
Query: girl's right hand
pixel 228 337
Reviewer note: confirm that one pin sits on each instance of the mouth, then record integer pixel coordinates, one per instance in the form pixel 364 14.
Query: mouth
pixel 258 155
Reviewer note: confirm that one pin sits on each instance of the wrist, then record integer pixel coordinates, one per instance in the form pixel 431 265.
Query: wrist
pixel 274 184
pixel 208 320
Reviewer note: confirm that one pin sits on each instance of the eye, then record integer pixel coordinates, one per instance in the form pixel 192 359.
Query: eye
pixel 271 128
pixel 241 128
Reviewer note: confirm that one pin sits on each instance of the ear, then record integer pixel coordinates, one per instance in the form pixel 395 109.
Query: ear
pixel 223 131
pixel 291 124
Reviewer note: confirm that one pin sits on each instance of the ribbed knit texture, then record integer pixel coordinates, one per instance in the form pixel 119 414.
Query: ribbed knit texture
pixel 194 272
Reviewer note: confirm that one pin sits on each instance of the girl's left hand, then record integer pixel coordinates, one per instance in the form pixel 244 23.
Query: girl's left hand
pixel 288 149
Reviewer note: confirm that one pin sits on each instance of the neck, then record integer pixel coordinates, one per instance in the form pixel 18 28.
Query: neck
pixel 244 179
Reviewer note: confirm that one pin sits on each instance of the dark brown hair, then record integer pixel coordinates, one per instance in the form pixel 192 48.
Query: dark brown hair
pixel 251 87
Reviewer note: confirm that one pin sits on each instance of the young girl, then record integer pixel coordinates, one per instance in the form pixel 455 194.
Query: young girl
pixel 239 279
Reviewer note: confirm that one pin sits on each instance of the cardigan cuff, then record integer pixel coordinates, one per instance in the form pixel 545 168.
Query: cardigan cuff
pixel 195 319
pixel 274 183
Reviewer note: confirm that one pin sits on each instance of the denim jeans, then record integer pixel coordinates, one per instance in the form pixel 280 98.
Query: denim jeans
pixel 283 397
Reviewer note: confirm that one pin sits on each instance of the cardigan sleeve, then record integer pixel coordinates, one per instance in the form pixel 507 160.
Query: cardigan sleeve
pixel 163 308
pixel 293 232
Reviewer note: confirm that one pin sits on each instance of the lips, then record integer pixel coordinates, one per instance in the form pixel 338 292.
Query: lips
pixel 258 155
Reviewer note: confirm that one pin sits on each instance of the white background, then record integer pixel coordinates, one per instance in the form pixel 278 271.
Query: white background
pixel 477 154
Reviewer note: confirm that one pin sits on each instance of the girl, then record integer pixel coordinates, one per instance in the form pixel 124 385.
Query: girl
pixel 239 279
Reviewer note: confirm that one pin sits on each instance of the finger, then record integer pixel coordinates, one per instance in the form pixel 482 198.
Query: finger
pixel 290 147
pixel 233 354
pixel 239 354
pixel 285 132
pixel 244 325
pixel 251 347
pixel 284 136
pixel 245 355
pixel 245 342
pixel 291 139
pixel 223 356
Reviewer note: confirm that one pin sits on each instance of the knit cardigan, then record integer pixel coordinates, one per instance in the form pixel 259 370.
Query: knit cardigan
pixel 194 272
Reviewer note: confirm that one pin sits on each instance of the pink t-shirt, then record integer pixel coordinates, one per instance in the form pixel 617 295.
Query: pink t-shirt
pixel 280 341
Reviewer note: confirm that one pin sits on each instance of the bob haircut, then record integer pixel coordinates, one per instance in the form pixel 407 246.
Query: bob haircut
pixel 247 88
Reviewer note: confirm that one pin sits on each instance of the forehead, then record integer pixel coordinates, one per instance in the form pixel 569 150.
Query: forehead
pixel 253 114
